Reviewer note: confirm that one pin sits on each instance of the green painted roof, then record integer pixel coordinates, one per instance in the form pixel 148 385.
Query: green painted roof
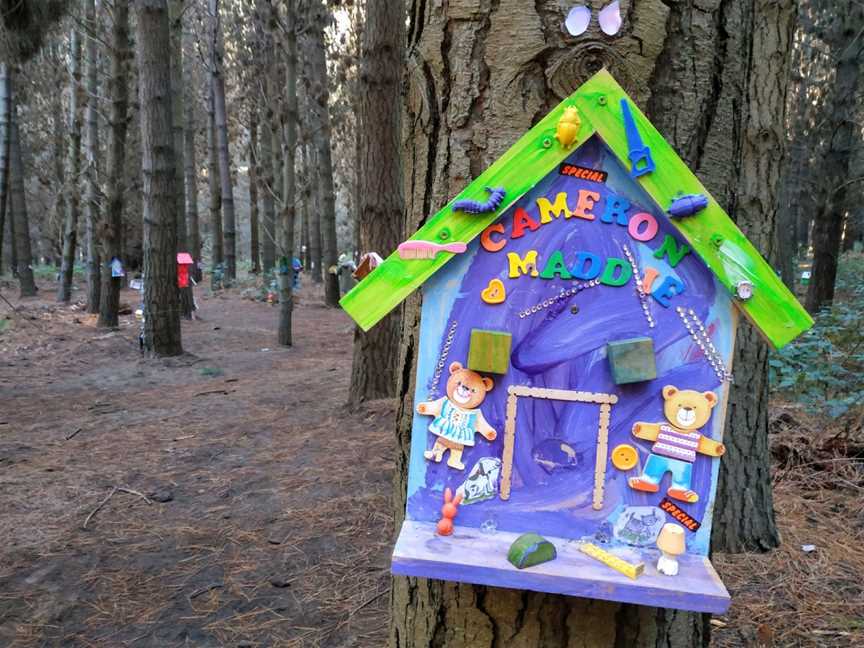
pixel 772 308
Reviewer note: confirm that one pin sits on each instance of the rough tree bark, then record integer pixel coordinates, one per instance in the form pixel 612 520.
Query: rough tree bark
pixel 289 181
pixel 175 12
pixel 111 230
pixel 845 42
pixel 217 252
pixel 92 199
pixel 73 199
pixel 477 80
pixel 18 205
pixel 318 92
pixel 221 117
pixel 161 307
pixel 744 514
pixel 253 192
pixel 379 178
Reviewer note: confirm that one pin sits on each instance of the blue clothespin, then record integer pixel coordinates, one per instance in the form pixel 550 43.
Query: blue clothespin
pixel 639 154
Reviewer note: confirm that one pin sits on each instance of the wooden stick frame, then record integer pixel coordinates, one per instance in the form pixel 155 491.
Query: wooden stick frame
pixel 606 401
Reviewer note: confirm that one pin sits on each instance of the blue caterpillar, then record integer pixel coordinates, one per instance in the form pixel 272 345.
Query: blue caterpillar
pixel 477 207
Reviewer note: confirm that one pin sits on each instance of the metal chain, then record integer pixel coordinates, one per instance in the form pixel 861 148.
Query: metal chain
pixel 703 341
pixel 439 368
pixel 640 289
pixel 564 294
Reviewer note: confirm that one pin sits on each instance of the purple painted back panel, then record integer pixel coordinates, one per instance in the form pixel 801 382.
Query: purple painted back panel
pixel 556 348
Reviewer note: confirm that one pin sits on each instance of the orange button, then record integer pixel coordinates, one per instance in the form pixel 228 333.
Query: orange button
pixel 624 456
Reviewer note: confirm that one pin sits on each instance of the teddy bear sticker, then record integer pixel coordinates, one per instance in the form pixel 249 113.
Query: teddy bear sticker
pixel 676 442
pixel 457 415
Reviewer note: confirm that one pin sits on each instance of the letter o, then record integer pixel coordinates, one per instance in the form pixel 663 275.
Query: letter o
pixel 648 232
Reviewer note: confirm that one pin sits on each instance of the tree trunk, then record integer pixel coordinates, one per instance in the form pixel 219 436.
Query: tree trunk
pixel 18 204
pixel 5 116
pixel 314 199
pixel 221 116
pixel 58 153
pixel 846 46
pixel 265 178
pixel 253 192
pixel 319 100
pixel 175 12
pixel 217 255
pixel 191 183
pixel 73 199
pixel 286 239
pixel 744 513
pixel 161 307
pixel 497 72
pixel 379 177
pixel 112 226
pixel 91 154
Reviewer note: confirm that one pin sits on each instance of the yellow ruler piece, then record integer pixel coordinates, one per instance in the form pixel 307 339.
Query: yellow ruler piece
pixel 610 560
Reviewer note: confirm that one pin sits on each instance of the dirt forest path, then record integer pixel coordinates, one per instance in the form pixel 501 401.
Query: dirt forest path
pixel 252 508
pixel 231 499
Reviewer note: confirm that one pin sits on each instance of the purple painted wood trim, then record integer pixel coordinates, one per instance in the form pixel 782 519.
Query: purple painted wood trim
pixel 469 556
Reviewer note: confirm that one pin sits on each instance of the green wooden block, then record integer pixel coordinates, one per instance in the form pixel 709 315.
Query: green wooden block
pixel 632 360
pixel 489 351
pixel 530 549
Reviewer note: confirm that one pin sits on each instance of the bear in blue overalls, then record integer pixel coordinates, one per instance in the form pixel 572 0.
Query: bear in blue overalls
pixel 457 415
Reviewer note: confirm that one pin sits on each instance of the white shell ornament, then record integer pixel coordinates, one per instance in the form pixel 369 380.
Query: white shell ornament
pixel 577 20
pixel 610 18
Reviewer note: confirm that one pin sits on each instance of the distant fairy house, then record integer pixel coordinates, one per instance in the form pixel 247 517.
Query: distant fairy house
pixel 580 300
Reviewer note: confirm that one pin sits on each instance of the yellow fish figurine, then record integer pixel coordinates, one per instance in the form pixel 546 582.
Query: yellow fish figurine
pixel 568 127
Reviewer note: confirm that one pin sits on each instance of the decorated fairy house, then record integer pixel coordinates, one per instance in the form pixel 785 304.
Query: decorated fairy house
pixel 580 301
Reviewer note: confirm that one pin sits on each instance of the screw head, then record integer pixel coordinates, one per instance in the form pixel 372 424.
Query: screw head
pixel 547 142
pixel 574 309
pixel 744 290
pixel 602 100
pixel 444 234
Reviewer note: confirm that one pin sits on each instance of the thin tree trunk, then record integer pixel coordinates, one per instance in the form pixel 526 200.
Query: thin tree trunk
pixel 58 153
pixel 319 100
pixel 221 116
pixel 10 221
pixel 379 177
pixel 254 251
pixel 217 255
pixel 191 184
pixel 112 227
pixel 73 199
pixel 286 239
pixel 23 250
pixel 314 197
pixel 5 116
pixel 304 236
pixel 846 46
pixel 161 307
pixel 265 178
pixel 175 12
pixel 91 155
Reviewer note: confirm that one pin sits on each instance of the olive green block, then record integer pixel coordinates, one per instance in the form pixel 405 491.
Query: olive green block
pixel 530 549
pixel 489 351
pixel 632 360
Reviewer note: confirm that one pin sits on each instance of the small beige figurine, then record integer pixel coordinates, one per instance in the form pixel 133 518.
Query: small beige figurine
pixel 671 544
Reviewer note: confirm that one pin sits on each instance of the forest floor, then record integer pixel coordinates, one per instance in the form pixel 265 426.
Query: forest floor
pixel 229 497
